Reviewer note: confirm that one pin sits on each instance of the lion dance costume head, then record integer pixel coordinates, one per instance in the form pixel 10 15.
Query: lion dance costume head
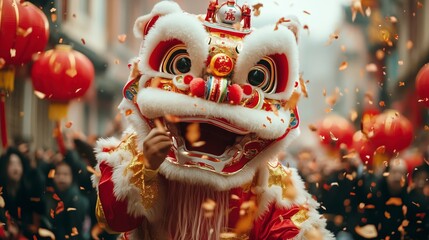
pixel 226 93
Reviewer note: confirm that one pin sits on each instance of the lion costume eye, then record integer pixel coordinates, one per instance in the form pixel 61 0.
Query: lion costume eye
pixel 263 75
pixel 176 61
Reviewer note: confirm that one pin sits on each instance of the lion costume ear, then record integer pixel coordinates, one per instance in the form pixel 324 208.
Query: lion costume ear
pixel 144 23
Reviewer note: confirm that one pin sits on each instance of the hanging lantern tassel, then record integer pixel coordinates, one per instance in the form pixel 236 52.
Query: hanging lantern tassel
pixel 7 77
pixel 3 129
pixel 59 137
pixel 57 110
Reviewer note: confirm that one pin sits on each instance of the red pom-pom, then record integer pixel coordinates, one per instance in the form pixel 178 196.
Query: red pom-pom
pixel 197 87
pixel 188 79
pixel 235 94
pixel 247 89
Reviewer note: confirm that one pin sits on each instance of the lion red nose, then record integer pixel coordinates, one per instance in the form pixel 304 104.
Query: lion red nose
pixel 216 90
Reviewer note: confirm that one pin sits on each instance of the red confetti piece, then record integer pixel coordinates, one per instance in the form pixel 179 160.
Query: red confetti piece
pixel 83 41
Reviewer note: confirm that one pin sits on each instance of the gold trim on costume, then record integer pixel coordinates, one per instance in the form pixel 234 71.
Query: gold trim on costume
pixel 281 177
pixel 101 218
pixel 299 217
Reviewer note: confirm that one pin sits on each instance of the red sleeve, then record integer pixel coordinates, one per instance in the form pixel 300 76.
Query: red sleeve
pixel 115 212
pixel 275 224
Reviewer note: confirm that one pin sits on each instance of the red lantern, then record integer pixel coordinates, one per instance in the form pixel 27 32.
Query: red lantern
pixel 334 131
pixel 60 75
pixel 392 131
pixel 422 85
pixel 24 30
pixel 363 147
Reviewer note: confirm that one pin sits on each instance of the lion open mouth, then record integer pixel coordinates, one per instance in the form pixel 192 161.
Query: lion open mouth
pixel 211 137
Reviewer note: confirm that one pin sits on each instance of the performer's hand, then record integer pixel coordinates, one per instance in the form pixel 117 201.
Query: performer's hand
pixel 155 147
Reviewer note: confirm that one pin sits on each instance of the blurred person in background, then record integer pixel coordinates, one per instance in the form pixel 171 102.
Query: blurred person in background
pixel 417 226
pixel 22 198
pixel 393 197
pixel 309 169
pixel 66 206
pixel 339 176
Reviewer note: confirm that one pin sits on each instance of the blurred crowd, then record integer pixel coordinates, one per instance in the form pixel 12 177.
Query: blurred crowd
pixel 388 199
pixel 46 194
pixel 49 195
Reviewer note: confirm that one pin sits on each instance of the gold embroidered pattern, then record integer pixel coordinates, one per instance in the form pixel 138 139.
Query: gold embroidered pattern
pixel 144 179
pixel 299 217
pixel 281 177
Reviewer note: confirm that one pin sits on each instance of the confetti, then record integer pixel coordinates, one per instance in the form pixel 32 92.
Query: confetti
pixel 193 132
pixel 332 37
pixel 40 95
pixel 372 67
pixel 51 173
pixel 83 41
pixel 312 127
pixel 46 233
pixel 393 19
pixel 401 84
pixel 303 86
pixel 69 124
pixel 198 144
pixel 280 21
pixel 54 17
pixel 333 138
pixel 305 27
pixel 343 48
pixel 12 52
pixel 356 7
pixel 419 4
pixel 122 38
pixel 410 44
pixel 306 12
pixel 382 104
pixel 353 115
pixel 293 101
pixel 257 9
pixel 2 202
pixel 208 206
pixel 74 232
pixel 368 11
pixel 343 66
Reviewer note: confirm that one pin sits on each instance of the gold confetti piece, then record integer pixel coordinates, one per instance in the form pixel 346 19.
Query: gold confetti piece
pixel 274 109
pixel 306 12
pixel 122 38
pixel 382 104
pixel 333 138
pixel 117 61
pixel 2 202
pixel 83 41
pixel 257 9
pixel 343 48
pixel 93 171
pixel 353 115
pixel 280 21
pixel 24 32
pixel 40 95
pixel 60 40
pixel 69 124
pixel 54 17
pixel 35 199
pixel 324 92
pixel 393 19
pixel 46 233
pixel 2 63
pixel 350 155
pixel 12 52
pixel 372 67
pixel 343 66
pixel 410 44
pixel 293 101
pixel 419 4
pixel 193 133
pixel 53 10
pixel 312 127
pixel 303 86
pixel 269 119
pixel 400 62
pixel 356 7
pixel 51 173
pixel 235 197
pixel 74 232
pixel 380 150
pixel 334 184
pixel 198 144
pixel 401 84
pixel 71 209
pixel 368 11
pixel 52 213
pixel 208 206
pixel 426 128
